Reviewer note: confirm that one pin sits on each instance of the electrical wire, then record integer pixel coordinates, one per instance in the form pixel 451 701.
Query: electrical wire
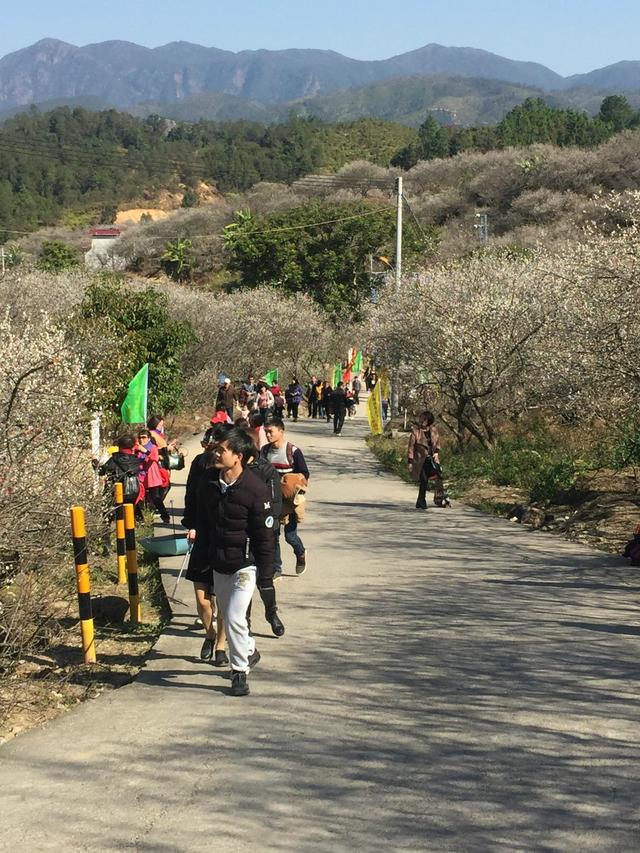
pixel 415 218
pixel 303 227
pixel 111 160
pixel 325 222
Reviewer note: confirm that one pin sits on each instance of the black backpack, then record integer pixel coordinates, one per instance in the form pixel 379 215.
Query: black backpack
pixel 130 481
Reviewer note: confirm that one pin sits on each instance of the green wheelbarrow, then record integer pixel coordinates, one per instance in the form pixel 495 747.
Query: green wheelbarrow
pixel 165 546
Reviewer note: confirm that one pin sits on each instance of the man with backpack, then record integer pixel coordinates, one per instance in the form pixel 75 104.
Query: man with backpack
pixel 123 467
pixel 287 459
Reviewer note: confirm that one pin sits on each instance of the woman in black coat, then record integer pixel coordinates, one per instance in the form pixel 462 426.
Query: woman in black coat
pixel 199 571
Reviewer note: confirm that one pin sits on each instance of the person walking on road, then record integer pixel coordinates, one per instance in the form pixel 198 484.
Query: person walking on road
pixel 241 545
pixel 327 391
pixel 339 408
pixel 316 399
pixel 310 395
pixel 423 458
pixel 296 393
pixel 227 396
pixel 265 400
pixel 357 387
pixel 286 458
pixel 199 572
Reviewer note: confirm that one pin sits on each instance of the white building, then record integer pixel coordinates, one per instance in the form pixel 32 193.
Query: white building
pixel 102 255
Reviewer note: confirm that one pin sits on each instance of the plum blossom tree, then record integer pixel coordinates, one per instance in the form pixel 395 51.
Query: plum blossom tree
pixel 44 469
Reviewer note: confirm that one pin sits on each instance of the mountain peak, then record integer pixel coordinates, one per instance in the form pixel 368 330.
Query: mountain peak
pixel 124 73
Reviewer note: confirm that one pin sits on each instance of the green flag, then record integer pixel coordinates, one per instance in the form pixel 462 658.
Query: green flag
pixel 357 362
pixel 134 408
pixel 337 375
pixel 271 377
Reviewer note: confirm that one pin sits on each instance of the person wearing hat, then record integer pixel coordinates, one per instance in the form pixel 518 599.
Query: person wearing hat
pixel 227 395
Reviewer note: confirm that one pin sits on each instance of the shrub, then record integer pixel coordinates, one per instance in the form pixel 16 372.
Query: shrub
pixel 56 256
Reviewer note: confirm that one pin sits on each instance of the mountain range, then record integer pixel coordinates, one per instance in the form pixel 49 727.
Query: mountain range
pixel 188 81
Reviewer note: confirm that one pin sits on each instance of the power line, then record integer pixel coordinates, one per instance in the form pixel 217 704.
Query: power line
pixel 325 222
pixel 381 210
pixel 110 160
pixel 333 182
pixel 303 227
pixel 415 218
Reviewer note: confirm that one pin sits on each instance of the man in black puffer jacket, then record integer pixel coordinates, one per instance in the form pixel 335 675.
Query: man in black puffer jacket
pixel 239 524
pixel 263 469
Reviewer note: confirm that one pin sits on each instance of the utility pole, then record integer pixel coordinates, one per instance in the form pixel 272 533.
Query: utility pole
pixel 482 227
pixel 395 383
pixel 399 235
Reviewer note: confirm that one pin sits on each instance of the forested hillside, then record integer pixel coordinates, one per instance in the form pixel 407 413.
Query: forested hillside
pixel 77 167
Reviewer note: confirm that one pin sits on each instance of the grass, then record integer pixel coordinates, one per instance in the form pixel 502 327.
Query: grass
pixel 534 459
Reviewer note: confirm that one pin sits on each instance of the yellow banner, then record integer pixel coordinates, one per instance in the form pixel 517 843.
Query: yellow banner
pixel 385 385
pixel 374 410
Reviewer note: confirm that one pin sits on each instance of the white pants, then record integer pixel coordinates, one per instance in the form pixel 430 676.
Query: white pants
pixel 234 592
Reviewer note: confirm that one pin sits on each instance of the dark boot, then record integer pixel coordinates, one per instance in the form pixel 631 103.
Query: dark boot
pixel 421 503
pixel 239 686
pixel 268 596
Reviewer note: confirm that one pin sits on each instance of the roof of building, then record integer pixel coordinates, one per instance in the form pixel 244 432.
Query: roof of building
pixel 105 232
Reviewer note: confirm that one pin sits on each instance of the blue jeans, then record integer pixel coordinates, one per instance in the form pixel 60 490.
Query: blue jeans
pixel 291 536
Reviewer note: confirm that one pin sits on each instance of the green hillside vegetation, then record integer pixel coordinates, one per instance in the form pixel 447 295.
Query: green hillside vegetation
pixel 530 122
pixel 78 166
pixel 67 162
pixel 537 194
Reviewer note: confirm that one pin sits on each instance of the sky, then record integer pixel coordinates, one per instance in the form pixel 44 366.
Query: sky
pixel 569 36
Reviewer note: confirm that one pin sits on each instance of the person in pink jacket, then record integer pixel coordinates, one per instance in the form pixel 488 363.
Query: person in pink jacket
pixel 154 479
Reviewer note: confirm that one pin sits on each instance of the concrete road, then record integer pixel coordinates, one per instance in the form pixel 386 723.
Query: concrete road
pixel 447 682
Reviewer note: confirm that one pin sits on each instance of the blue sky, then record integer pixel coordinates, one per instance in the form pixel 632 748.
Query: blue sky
pixel 570 36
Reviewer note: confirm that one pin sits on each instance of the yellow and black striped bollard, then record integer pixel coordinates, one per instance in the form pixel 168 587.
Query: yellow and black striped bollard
pixel 132 563
pixel 121 552
pixel 79 534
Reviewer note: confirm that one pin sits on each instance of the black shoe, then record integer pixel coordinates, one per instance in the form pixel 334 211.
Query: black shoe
pixel 239 686
pixel 206 652
pixel 254 658
pixel 420 505
pixel 276 624
pixel 221 658
pixel 301 564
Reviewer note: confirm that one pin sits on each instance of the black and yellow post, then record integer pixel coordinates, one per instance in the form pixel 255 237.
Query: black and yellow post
pixel 121 552
pixel 79 533
pixel 132 562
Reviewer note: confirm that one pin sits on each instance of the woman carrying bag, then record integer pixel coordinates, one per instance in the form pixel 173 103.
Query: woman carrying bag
pixel 423 459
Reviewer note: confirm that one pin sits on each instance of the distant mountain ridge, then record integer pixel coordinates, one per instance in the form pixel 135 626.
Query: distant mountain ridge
pixel 261 82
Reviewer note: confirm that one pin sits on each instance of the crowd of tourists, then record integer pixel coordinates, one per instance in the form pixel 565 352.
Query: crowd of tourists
pixel 244 491
pixel 143 462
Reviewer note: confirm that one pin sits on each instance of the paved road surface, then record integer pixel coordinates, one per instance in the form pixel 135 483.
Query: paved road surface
pixel 447 682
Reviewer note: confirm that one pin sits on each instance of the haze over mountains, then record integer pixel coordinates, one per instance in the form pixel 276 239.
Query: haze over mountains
pixel 189 81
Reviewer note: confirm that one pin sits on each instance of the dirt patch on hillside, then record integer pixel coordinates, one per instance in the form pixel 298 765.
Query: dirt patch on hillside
pixel 135 214
pixel 161 204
